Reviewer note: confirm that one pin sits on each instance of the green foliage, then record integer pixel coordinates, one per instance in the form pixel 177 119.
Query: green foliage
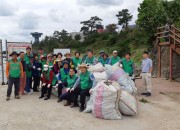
pixel 77 37
pixel 124 17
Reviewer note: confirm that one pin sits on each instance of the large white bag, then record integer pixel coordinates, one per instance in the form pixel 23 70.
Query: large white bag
pixel 96 68
pixel 127 104
pixel 105 101
pixel 127 83
pixel 113 72
pixel 100 76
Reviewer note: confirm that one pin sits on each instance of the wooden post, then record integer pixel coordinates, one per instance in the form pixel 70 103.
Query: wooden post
pixel 159 61
pixel 171 62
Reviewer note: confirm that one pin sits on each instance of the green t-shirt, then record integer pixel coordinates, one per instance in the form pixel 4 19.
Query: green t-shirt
pixel 127 66
pixel 114 60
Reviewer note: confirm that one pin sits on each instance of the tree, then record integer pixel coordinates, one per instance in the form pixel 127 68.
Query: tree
pixel 77 37
pixel 91 25
pixel 111 28
pixel 124 17
pixel 151 15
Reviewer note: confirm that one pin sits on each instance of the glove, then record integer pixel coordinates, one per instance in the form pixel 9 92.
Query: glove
pixel 49 85
pixel 56 85
pixel 120 66
pixel 149 75
pixel 41 75
pixel 44 84
pixel 39 69
pixel 133 76
pixel 67 89
pixel 90 91
pixel 34 67
pixel 59 82
pixel 72 89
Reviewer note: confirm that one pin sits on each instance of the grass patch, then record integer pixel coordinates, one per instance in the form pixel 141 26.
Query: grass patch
pixel 143 100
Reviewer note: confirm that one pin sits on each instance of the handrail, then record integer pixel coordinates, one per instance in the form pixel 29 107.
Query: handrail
pixel 174 38
pixel 175 28
pixel 161 27
pixel 175 34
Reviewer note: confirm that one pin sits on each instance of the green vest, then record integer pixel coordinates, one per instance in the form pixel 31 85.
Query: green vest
pixel 71 81
pixel 127 66
pixel 63 75
pixel 27 58
pixel 100 59
pixel 43 63
pixel 90 60
pixel 28 73
pixel 104 61
pixel 50 63
pixel 86 83
pixel 14 71
pixel 47 77
pixel 114 60
pixel 76 61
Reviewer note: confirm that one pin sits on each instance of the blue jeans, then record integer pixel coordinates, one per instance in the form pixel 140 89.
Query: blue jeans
pixel 28 84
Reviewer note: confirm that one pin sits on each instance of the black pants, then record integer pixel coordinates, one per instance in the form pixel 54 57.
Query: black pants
pixel 16 83
pixel 60 87
pixel 66 96
pixel 36 82
pixel 82 93
pixel 46 90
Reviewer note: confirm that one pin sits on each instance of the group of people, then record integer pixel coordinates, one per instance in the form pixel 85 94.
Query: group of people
pixel 53 71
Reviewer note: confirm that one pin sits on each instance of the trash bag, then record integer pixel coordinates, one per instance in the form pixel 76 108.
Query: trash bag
pixel 100 76
pixel 89 105
pixel 127 84
pixel 113 72
pixel 105 100
pixel 127 104
pixel 96 68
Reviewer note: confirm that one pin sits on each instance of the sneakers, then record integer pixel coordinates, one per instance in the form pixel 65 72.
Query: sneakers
pixel 41 97
pixel 46 98
pixel 74 105
pixel 8 98
pixel 17 97
pixel 81 109
pixel 59 100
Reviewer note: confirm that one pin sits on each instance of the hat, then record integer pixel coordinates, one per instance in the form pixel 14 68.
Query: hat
pixel 67 54
pixel 14 53
pixel 65 62
pixel 105 54
pixel 42 56
pixel 28 47
pixel 83 65
pixel 115 51
pixel 58 60
pixel 102 51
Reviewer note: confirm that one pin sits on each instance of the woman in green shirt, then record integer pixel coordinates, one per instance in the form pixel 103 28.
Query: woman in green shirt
pixel 71 79
pixel 76 60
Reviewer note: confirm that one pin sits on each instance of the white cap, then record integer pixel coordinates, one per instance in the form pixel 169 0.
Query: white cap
pixel 115 51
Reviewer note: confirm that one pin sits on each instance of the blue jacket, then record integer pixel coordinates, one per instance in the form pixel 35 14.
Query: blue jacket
pixel 36 72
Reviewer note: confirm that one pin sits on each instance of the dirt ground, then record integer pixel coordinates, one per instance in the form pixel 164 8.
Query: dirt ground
pixel 162 112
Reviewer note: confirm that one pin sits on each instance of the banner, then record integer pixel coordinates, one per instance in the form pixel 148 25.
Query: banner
pixel 18 47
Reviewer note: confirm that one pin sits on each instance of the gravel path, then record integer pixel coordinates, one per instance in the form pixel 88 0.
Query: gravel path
pixel 31 113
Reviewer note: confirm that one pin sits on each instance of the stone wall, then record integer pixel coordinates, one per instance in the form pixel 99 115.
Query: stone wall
pixel 176 66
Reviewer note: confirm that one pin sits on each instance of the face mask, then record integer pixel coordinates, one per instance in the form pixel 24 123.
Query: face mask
pixel 45 69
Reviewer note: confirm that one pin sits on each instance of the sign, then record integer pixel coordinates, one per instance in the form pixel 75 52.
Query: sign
pixel 62 51
pixel 18 47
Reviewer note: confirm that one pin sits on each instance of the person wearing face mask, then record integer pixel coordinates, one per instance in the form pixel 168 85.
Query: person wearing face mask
pixel 49 79
pixel 83 86
pixel 68 84
pixel 63 75
pixel 68 59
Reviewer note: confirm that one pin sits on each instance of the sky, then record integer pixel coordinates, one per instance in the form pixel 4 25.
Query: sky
pixel 18 18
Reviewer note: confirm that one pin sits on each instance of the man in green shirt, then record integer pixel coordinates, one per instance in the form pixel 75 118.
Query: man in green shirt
pixel 128 65
pixel 28 54
pixel 90 59
pixel 115 58
pixel 101 55
pixel 83 86
pixel 76 60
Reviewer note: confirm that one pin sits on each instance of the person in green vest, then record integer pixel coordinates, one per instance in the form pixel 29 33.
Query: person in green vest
pixel 76 60
pixel 101 55
pixel 28 54
pixel 14 70
pixel 50 60
pixel 85 56
pixel 64 72
pixel 115 58
pixel 128 65
pixel 43 60
pixel 83 86
pixel 68 84
pixel 105 59
pixel 90 59
pixel 49 79
pixel 29 69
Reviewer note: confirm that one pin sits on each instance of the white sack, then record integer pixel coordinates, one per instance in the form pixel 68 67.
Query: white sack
pixel 100 76
pixel 127 104
pixel 96 68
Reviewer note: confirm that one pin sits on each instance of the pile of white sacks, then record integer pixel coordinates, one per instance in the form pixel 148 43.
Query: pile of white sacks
pixel 113 95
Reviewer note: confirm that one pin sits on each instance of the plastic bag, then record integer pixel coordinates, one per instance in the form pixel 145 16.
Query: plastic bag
pixel 96 68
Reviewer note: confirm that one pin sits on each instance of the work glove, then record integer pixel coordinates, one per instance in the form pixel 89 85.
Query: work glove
pixel 67 89
pixel 120 66
pixel 49 85
pixel 44 84
pixel 90 91
pixel 72 89
pixel 59 81
pixel 41 75
pixel 149 75
pixel 39 69
pixel 34 67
